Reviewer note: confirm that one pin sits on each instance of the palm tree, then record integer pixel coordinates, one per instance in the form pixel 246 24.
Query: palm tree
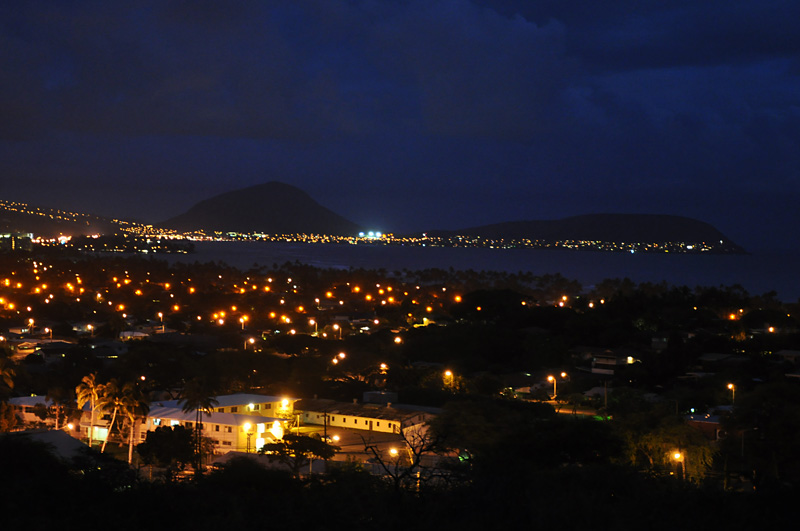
pixel 197 397
pixel 133 403
pixel 110 397
pixel 88 391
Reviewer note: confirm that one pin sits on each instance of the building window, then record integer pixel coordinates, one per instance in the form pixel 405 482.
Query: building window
pixel 234 409
pixel 355 421
pixel 379 424
pixel 344 420
pixel 267 406
pixel 226 443
pixel 216 428
pixel 221 410
pixel 227 429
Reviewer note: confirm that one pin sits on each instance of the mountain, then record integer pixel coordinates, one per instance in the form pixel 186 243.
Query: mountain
pixel 604 227
pixel 270 208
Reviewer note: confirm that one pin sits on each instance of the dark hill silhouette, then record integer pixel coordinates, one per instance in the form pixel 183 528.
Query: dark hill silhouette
pixel 270 208
pixel 51 223
pixel 603 227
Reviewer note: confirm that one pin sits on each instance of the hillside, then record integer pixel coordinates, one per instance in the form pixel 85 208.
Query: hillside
pixel 270 208
pixel 604 227
pixel 50 222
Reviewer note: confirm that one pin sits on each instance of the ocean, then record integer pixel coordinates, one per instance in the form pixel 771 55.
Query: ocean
pixel 758 273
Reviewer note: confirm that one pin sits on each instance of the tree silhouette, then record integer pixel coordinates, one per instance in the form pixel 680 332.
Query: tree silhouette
pixel 88 391
pixel 197 397
pixel 134 403
pixel 296 451
pixel 110 397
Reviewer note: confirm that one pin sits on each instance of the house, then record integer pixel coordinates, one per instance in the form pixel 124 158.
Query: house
pixel 238 422
pixel 35 410
pixel 610 362
pixel 369 417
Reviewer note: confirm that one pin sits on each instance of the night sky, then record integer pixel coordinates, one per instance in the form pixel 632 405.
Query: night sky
pixel 410 114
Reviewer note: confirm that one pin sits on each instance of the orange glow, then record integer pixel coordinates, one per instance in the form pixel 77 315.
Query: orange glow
pixel 176 308
pixel 266 288
pixel 272 315
pixel 300 309
pixel 457 298
pixel 166 285
pixel 329 294
pixel 356 289
pixel 429 309
pixel 368 297
pixel 137 292
pixel 191 290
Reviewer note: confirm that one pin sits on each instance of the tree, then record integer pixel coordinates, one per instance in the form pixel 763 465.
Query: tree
pixel 134 403
pixel 169 447
pixel 403 465
pixel 60 399
pixel 110 397
pixel 88 391
pixel 199 398
pixel 296 451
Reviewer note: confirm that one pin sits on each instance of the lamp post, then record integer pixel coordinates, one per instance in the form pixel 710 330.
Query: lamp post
pixel 339 328
pixel 247 427
pixel 314 322
pixel 554 381
pixel 733 392
pixel 161 316
pixel 680 460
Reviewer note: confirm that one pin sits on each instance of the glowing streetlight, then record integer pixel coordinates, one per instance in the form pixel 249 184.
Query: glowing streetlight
pixel 554 381
pixel 733 392
pixel 250 340
pixel 339 328
pixel 161 317
pixel 91 329
pixel 342 355
pixel 680 461
pixel 314 322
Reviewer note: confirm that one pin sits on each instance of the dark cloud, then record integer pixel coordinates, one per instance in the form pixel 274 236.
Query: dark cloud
pixel 410 113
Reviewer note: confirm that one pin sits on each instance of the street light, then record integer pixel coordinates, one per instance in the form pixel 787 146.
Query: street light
pixel 339 328
pixel 161 316
pixel 554 380
pixel 314 322
pixel 733 392
pixel 680 460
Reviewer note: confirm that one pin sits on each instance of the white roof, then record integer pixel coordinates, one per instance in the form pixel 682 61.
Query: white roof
pixel 30 401
pixel 239 399
pixel 227 419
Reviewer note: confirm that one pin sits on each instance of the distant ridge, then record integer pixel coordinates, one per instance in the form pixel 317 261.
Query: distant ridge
pixel 604 227
pixel 269 208
pixel 50 222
